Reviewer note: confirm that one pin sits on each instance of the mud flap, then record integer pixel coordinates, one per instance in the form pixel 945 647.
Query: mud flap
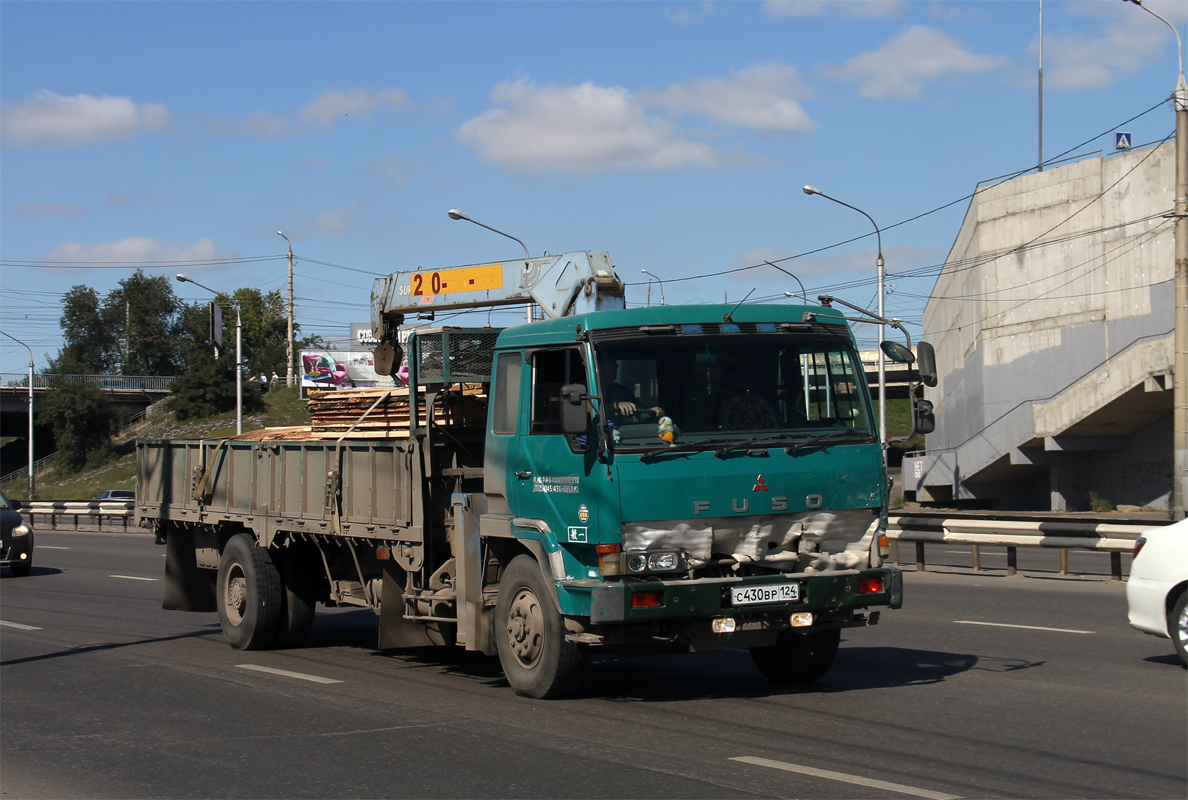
pixel 187 587
pixel 395 631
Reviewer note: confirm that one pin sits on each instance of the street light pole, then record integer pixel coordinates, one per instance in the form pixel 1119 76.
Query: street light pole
pixel 809 190
pixel 1180 340
pixel 456 214
pixel 650 275
pixel 238 351
pixel 289 368
pixel 22 344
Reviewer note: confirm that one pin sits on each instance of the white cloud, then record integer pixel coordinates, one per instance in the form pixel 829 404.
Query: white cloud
pixel 332 107
pixel 684 16
pixel 1131 35
pixel 133 250
pixel 51 118
pixel 576 128
pixel 902 66
pixel 765 97
pixel 49 210
pixel 854 9
pixel 335 222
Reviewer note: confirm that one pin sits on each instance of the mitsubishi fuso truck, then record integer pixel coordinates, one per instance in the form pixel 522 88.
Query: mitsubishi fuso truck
pixel 605 479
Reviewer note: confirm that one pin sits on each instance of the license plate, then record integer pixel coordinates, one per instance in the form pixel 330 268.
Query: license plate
pixel 772 593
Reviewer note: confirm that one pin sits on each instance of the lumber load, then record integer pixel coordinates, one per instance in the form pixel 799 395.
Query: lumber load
pixel 378 414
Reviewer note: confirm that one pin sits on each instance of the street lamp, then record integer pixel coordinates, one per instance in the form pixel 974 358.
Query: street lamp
pixel 289 367
pixel 650 275
pixel 1180 212
pixel 22 344
pixel 809 190
pixel 456 214
pixel 238 351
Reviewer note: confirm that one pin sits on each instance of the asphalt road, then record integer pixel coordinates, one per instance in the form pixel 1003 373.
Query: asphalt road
pixel 981 686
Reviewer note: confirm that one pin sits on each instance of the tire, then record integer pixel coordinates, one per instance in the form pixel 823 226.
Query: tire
pixel 297 596
pixel 249 594
pixel 1177 626
pixel 797 657
pixel 20 569
pixel 530 635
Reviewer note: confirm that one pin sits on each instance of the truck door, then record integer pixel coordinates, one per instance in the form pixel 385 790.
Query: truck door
pixel 558 478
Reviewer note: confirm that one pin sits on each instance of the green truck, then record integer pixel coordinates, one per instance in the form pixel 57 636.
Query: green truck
pixel 661 479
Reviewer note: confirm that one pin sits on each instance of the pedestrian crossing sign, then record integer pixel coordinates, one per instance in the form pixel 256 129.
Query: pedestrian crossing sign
pixel 1121 141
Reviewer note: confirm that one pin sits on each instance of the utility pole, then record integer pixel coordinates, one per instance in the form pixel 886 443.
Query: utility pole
pixel 1180 341
pixel 289 368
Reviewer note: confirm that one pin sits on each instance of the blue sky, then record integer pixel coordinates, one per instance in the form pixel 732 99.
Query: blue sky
pixel 675 136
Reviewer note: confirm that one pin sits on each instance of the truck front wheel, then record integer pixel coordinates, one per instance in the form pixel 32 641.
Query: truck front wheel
pixel 249 594
pixel 530 635
pixel 797 657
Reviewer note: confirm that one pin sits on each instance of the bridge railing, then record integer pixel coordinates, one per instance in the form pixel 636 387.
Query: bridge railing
pixel 113 383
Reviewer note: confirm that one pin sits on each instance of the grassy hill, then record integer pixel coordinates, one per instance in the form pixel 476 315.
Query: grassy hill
pixel 283 407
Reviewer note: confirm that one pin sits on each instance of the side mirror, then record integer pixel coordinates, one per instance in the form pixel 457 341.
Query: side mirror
pixel 574 418
pixel 15 505
pixel 923 416
pixel 926 363
pixel 897 352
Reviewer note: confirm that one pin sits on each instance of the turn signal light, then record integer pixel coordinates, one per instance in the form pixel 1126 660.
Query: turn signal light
pixel 653 599
pixel 610 563
pixel 870 585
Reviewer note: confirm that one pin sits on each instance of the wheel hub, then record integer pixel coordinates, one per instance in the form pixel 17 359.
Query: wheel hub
pixel 525 628
pixel 235 595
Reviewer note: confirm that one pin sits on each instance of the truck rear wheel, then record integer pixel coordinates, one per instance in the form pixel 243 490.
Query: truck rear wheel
pixel 797 657
pixel 530 635
pixel 249 594
pixel 298 600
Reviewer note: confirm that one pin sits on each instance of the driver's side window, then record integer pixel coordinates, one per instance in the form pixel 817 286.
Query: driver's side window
pixel 552 369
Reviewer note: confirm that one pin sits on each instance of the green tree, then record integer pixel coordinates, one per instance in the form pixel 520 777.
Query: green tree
pixel 207 387
pixel 142 314
pixel 82 420
pixel 88 340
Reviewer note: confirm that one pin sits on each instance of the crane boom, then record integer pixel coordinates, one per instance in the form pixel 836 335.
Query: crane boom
pixel 563 285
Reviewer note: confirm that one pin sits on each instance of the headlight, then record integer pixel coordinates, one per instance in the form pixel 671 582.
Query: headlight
pixel 654 562
pixel 21 530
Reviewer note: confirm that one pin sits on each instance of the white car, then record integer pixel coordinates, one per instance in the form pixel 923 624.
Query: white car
pixel 1157 591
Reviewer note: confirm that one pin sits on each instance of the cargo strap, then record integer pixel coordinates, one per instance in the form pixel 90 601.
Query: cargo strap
pixel 334 478
pixel 201 473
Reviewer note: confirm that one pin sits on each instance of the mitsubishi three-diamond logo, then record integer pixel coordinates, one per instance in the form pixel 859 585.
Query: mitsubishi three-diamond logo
pixel 760 486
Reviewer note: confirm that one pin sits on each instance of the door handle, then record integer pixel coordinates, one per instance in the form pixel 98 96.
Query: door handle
pixel 524 474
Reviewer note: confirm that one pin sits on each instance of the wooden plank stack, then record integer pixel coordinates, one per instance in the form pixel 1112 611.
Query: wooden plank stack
pixel 333 414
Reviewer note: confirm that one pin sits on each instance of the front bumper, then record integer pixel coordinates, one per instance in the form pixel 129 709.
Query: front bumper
pixel 12 550
pixel 1146 603
pixel 821 593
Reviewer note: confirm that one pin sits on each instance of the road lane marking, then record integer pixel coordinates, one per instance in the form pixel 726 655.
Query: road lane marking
pixel 285 673
pixel 50 547
pixel 844 778
pixel 1023 627
pixel 131 578
pixel 18 626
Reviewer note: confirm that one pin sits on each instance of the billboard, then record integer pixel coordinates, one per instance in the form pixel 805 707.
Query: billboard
pixel 330 370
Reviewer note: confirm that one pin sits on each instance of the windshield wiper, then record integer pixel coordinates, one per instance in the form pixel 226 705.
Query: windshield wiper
pixel 701 444
pixel 776 440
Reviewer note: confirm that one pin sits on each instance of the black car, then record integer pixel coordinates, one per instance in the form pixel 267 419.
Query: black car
pixel 16 538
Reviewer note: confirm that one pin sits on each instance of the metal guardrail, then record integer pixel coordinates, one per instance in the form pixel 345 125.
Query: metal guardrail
pixel 86 515
pixel 1115 538
pixel 114 383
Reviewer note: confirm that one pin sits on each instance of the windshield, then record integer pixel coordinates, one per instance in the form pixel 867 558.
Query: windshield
pixel 713 389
